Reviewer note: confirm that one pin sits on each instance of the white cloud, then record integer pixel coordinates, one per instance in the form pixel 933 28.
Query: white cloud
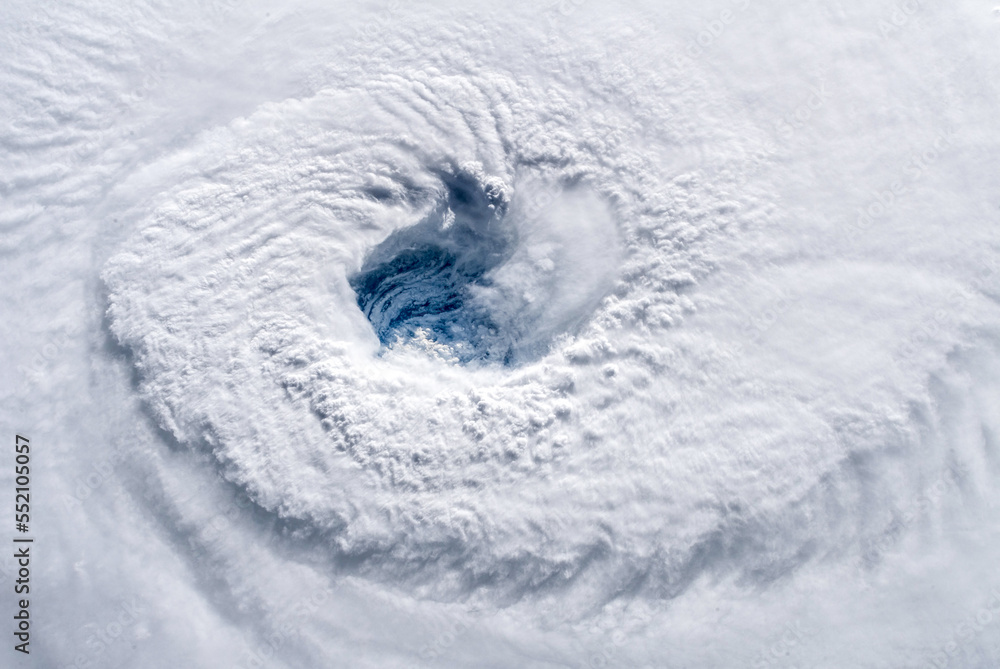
pixel 728 404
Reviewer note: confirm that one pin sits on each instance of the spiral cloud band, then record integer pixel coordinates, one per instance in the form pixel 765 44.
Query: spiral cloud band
pixel 573 336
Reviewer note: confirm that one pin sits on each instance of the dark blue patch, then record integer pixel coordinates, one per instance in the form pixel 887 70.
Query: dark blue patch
pixel 419 278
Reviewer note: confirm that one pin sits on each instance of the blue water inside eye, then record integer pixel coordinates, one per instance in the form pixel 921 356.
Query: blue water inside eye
pixel 418 281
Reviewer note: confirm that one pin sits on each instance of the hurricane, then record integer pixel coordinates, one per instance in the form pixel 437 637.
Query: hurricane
pixel 458 335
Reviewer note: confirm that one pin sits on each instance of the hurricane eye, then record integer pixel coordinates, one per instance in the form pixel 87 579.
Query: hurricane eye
pixel 416 286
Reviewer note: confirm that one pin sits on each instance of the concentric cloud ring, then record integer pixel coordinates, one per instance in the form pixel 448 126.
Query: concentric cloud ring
pixel 504 426
pixel 237 302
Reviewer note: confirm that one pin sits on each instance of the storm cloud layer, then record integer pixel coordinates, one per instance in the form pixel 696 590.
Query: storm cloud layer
pixel 570 336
